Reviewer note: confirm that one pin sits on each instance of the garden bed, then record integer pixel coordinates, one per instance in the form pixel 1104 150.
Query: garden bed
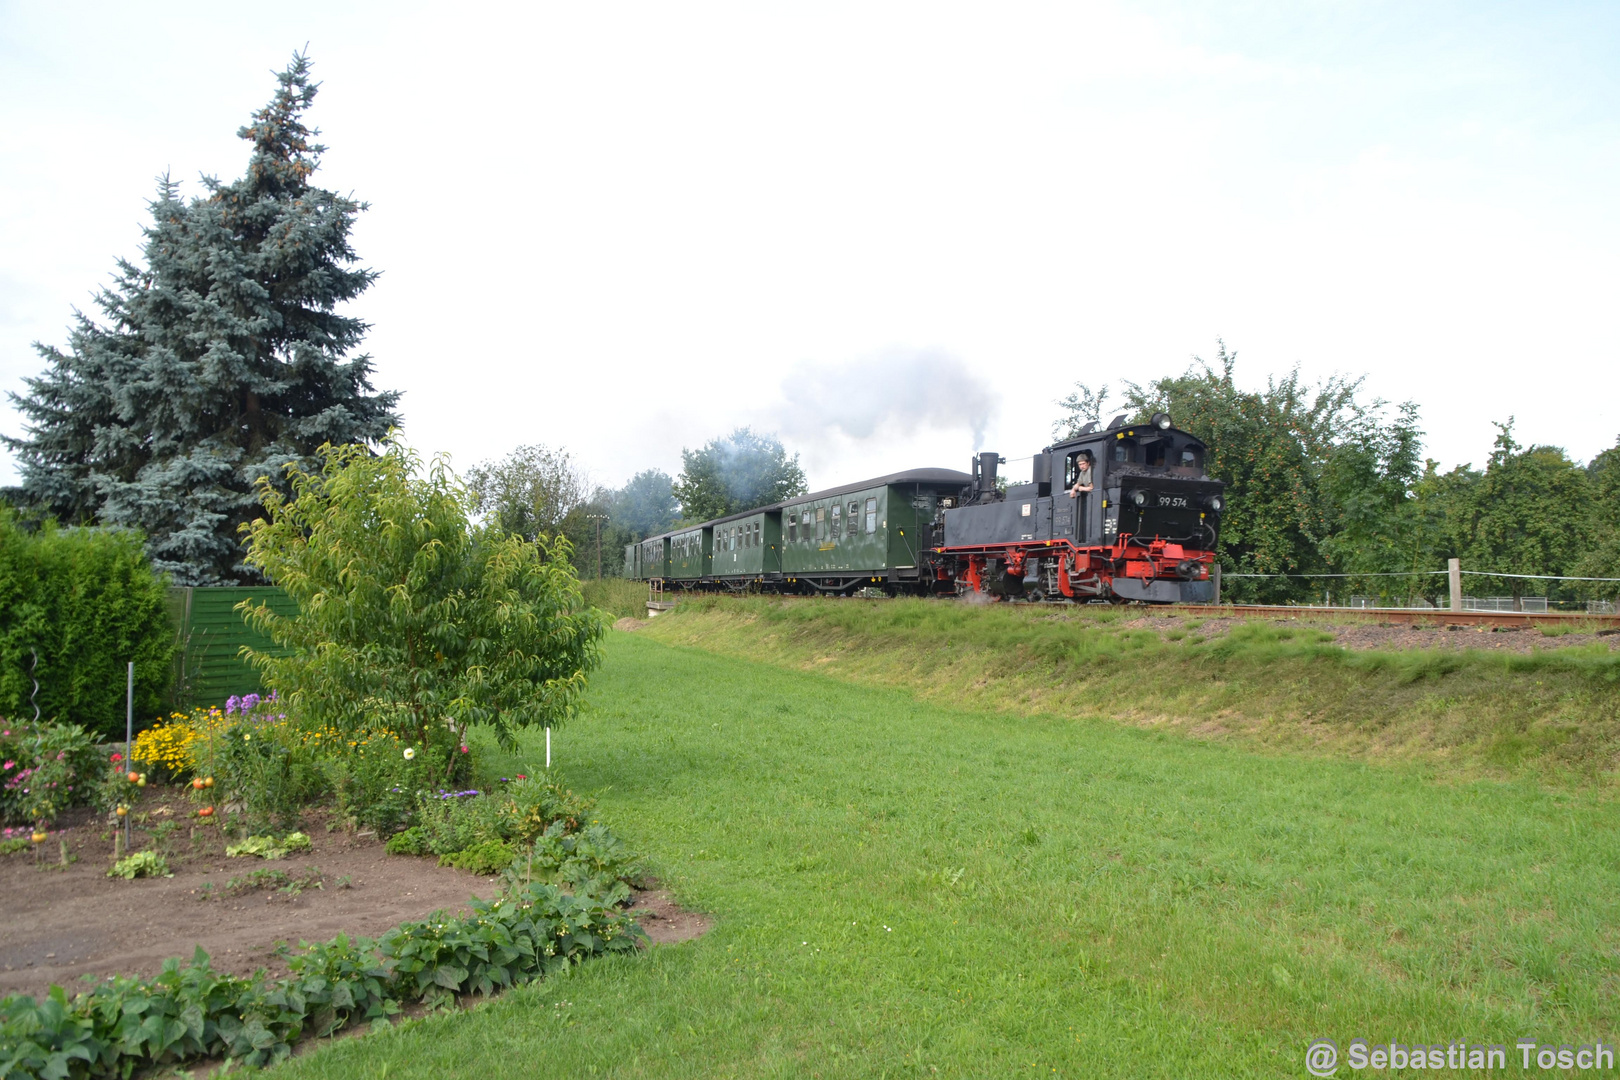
pixel 62 923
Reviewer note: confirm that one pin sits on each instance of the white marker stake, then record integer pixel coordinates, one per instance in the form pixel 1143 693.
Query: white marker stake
pixel 548 748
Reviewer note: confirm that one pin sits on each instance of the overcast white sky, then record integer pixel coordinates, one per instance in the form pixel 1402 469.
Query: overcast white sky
pixel 886 231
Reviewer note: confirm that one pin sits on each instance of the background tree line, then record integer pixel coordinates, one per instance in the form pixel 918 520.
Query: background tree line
pixel 539 491
pixel 1324 480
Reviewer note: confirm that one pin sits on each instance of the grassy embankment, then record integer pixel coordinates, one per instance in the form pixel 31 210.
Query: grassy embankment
pixel 1551 713
pixel 904 884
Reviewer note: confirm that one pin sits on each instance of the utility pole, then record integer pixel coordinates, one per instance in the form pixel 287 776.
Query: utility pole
pixel 598 518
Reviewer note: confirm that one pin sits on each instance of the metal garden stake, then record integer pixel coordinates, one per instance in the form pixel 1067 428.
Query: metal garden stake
pixel 129 736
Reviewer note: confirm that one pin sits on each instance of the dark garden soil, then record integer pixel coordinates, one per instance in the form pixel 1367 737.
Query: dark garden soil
pixel 61 923
pixel 665 921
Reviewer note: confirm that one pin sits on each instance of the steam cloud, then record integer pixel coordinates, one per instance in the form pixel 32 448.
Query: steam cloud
pixel 893 392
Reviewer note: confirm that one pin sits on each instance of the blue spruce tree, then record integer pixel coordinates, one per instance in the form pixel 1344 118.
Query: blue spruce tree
pixel 215 363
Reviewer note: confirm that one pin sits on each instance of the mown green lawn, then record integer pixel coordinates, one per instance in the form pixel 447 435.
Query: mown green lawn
pixel 902 889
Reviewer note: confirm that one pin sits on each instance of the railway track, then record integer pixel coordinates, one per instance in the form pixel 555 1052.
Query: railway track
pixel 1604 624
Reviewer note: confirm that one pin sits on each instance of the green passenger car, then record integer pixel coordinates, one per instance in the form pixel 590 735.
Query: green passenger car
pixel 875 527
pixel 848 532
pixel 749 546
pixel 654 558
pixel 632 562
pixel 689 554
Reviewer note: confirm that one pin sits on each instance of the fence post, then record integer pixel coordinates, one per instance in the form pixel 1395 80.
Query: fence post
pixel 1454 573
pixel 1215 576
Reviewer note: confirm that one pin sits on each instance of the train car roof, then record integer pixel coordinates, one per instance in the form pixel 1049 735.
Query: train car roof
pixel 945 477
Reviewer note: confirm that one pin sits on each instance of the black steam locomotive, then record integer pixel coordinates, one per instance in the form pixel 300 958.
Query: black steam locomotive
pixel 1144 528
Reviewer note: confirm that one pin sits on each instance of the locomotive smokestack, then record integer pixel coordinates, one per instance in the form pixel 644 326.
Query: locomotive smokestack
pixel 986 472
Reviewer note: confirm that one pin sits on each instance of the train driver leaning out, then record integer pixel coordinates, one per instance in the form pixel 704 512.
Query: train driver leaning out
pixel 1082 474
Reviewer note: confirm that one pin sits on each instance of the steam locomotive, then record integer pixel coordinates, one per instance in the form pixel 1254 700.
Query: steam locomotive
pixel 1145 531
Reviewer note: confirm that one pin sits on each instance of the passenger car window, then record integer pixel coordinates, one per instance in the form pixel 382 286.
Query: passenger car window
pixel 793 527
pixel 837 519
pixel 854 519
pixel 871 515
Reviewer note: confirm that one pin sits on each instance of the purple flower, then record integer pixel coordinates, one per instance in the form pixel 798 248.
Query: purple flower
pixel 250 702
pixel 10 764
pixel 232 703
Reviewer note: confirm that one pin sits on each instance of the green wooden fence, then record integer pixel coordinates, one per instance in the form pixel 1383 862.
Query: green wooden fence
pixel 209 667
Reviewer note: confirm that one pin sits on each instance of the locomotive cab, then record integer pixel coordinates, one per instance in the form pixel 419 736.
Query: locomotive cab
pixel 1148 483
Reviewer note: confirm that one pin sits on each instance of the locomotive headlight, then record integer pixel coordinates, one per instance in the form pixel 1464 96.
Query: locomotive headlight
pixel 1138 498
pixel 1214 503
pixel 1161 420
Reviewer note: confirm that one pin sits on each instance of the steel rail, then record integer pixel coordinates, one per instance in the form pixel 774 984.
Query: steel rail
pixel 1405 616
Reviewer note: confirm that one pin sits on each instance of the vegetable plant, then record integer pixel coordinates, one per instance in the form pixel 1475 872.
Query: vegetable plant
pixel 140 864
pixel 189 1012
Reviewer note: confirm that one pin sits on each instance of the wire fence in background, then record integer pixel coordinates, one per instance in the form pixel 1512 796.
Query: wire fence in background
pixel 1569 592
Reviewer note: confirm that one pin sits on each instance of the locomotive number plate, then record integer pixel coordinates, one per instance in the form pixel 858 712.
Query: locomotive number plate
pixel 1173 500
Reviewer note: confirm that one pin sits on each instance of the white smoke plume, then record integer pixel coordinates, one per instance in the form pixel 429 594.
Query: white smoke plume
pixel 896 391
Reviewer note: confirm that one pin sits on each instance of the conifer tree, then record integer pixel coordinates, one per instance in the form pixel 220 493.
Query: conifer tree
pixel 218 361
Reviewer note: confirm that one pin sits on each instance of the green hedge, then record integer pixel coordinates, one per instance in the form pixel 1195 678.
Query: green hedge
pixel 87 602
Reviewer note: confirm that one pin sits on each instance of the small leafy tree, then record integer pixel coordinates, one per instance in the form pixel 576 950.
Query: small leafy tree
pixel 646 505
pixel 1529 513
pixel 410 615
pixel 740 471
pixel 1083 406
pixel 1437 524
pixel 1602 557
pixel 529 491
